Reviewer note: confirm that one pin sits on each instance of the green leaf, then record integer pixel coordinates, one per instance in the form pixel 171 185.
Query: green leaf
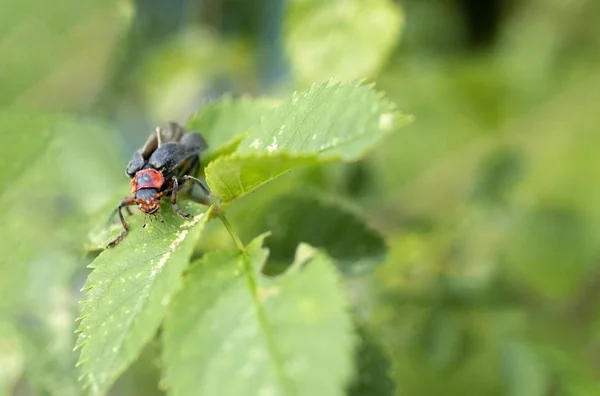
pixel 443 341
pixel 128 292
pixel 555 241
pixel 339 121
pixel 50 359
pixel 235 176
pixel 142 378
pixel 291 219
pixel 373 369
pixel 56 53
pixel 47 323
pixel 345 39
pixel 225 123
pixel 327 123
pixel 266 336
pixel 27 135
pixel 524 372
pixel 43 210
pixel 11 356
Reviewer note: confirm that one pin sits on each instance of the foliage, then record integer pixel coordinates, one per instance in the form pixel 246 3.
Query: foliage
pixel 276 337
pixel 129 291
pixel 128 294
pixel 457 256
pixel 364 31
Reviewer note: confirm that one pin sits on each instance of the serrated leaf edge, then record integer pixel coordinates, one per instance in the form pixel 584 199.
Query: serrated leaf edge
pixel 390 119
pixel 86 378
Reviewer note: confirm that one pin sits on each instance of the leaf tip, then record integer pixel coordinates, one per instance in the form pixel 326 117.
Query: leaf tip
pixel 304 253
pixel 258 241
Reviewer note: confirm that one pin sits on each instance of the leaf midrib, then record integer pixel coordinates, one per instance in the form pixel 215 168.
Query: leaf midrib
pixel 264 324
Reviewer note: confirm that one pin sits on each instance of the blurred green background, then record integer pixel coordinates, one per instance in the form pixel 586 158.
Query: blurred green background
pixel 489 200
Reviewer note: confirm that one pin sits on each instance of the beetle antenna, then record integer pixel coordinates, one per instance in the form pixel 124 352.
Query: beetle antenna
pixel 144 224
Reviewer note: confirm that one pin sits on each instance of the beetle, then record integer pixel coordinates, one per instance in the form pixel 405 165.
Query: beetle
pixel 160 168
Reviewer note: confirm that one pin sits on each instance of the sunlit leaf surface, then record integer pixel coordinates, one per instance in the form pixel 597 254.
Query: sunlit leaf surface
pixel 128 293
pixel 258 336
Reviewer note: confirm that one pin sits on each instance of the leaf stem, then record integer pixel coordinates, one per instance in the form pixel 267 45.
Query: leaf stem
pixel 262 316
pixel 232 233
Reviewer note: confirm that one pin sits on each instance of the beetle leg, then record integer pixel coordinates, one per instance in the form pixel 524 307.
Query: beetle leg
pixel 199 198
pixel 197 181
pixel 110 218
pixel 176 207
pixel 124 203
pixel 114 212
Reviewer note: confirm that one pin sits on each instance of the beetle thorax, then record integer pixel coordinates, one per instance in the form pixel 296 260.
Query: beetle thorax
pixel 147 178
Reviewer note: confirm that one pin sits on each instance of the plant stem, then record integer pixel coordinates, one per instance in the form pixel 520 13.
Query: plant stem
pixel 253 287
pixel 232 232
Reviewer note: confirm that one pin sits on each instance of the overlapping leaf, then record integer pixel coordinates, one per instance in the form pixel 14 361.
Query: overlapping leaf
pixel 128 292
pixel 253 335
pixel 235 176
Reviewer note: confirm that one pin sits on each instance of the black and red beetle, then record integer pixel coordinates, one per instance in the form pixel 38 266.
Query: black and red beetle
pixel 169 158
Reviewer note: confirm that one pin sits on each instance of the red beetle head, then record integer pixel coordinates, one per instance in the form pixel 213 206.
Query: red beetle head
pixel 151 205
pixel 145 186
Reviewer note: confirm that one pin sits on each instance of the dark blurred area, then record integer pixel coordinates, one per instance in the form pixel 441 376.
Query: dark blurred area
pixel 489 201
